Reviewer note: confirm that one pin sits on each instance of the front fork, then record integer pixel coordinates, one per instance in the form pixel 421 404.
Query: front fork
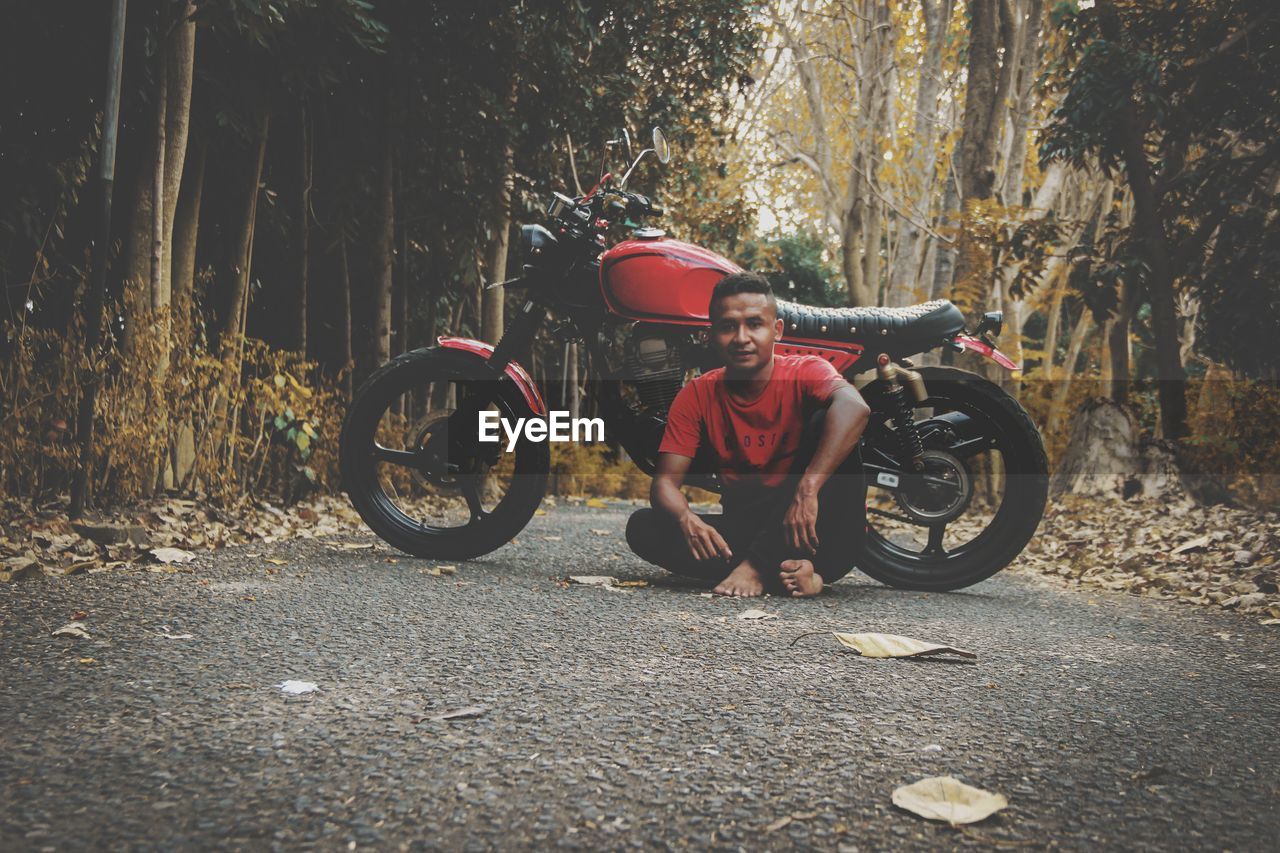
pixel 516 339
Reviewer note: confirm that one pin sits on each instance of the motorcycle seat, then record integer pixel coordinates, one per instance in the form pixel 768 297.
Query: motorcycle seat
pixel 914 328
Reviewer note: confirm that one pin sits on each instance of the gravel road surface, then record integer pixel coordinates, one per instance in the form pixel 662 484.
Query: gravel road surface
pixel 650 718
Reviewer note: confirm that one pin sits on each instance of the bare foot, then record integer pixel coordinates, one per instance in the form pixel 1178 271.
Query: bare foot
pixel 799 578
pixel 742 582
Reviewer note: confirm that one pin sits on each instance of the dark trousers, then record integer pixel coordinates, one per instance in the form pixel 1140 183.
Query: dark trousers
pixel 752 525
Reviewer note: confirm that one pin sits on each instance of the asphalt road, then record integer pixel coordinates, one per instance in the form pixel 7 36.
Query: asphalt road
pixel 648 718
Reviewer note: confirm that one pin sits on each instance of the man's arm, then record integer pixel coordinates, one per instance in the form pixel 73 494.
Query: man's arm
pixel 847 416
pixel 704 541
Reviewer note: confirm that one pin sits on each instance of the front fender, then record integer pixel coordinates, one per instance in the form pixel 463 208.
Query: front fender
pixel 514 372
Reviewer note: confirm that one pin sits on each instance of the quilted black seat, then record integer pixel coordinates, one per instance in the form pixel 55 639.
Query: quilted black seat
pixel 898 330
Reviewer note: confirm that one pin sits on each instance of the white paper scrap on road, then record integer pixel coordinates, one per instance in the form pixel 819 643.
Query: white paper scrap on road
pixel 73 629
pixel 894 646
pixel 172 555
pixel 756 613
pixel 949 799
pixel 602 581
pixel 296 688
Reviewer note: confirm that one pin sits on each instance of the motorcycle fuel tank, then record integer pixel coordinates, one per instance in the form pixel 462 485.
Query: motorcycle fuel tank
pixel 661 280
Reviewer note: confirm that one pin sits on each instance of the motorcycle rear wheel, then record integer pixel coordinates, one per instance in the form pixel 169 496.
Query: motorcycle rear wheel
pixel 406 483
pixel 1003 521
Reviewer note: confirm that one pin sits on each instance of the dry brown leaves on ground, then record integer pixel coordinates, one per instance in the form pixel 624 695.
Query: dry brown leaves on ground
pixel 1215 555
pixel 47 543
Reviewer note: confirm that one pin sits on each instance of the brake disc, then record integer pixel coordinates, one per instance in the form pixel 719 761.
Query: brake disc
pixel 430 436
pixel 940 493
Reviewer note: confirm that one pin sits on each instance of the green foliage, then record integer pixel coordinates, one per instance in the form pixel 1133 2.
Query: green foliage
pixel 798 267
pixel 1201 81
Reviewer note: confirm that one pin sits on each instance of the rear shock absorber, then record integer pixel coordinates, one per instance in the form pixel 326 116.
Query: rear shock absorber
pixel 902 407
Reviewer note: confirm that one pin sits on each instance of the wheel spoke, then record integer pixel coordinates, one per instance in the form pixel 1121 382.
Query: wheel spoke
pixel 403 458
pixel 934 547
pixel 470 486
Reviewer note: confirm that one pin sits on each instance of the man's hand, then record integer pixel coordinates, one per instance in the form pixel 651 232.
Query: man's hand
pixel 704 541
pixel 801 521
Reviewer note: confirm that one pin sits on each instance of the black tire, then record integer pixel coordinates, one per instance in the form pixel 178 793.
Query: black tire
pixel 1014 522
pixel 367 487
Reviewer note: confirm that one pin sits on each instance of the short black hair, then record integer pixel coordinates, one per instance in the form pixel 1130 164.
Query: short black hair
pixel 742 282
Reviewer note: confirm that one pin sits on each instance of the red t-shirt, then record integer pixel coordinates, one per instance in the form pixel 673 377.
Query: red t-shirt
pixel 755 442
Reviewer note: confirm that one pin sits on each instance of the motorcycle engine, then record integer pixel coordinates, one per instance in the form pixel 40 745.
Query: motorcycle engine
pixel 654 366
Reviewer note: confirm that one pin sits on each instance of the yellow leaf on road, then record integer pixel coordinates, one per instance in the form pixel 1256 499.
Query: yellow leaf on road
pixel 596 503
pixel 894 646
pixel 948 799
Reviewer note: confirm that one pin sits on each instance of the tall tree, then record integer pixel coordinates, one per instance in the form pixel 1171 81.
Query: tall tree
pixel 919 169
pixel 1179 98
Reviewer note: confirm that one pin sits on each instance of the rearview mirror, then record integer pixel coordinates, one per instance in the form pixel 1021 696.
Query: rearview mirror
pixel 660 146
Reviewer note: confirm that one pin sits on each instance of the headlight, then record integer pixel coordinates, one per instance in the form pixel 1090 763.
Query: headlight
pixel 537 243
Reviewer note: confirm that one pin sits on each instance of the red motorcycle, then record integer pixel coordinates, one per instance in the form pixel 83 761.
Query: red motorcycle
pixel 956 470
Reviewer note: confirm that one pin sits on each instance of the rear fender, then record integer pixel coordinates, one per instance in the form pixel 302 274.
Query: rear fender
pixel 513 371
pixel 984 348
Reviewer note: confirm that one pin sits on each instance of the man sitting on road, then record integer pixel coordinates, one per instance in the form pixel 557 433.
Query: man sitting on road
pixel 784 431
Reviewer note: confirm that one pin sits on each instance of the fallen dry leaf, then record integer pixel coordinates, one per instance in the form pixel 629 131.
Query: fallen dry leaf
pixel 468 713
pixel 596 503
pixel 779 823
pixel 276 562
pixel 756 613
pixel 602 581
pixel 73 629
pixel 948 799
pixel 894 646
pixel 1193 545
pixel 599 532
pixel 172 555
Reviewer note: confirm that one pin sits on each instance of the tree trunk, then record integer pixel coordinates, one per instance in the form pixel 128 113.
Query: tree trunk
pixel 851 239
pixel 233 325
pixel 871 260
pixel 491 313
pixel 944 262
pixel 1105 458
pixel 1068 369
pixel 180 68
pixel 1155 245
pixel 383 251
pixel 495 260
pixel 1117 338
pixel 976 170
pixel 186 230
pixel 298 330
pixel 1024 100
pixel 344 318
pixel 904 284
pixel 81 483
pixel 575 382
pixel 231 339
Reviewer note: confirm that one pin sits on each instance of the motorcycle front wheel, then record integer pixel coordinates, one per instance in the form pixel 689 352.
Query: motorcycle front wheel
pixel 411 486
pixel 980 498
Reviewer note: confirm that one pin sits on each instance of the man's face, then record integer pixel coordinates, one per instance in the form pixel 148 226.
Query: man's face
pixel 744 328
